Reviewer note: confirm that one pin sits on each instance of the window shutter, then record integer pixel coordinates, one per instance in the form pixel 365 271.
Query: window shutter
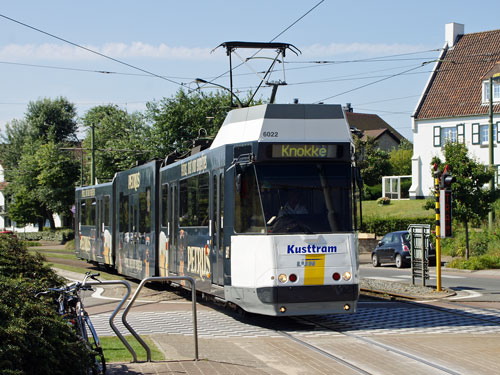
pixel 461 133
pixel 475 134
pixel 498 131
pixel 437 136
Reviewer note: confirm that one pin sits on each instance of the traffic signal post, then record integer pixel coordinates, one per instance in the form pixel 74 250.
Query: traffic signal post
pixel 442 193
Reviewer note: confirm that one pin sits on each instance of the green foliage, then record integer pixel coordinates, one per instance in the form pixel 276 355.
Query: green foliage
pixel 372 192
pixel 476 262
pixel 52 120
pixel 383 225
pixel 372 161
pixel 400 159
pixel 481 242
pixel 41 176
pixel 177 121
pixel 121 139
pixel 43 183
pixel 471 201
pixel 35 340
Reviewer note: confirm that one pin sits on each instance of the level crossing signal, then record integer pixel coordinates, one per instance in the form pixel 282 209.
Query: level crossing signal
pixel 443 210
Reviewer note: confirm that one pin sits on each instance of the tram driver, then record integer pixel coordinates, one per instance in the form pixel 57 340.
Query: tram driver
pixel 293 206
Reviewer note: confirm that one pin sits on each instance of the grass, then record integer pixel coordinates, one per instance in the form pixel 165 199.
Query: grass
pixel 397 208
pixel 115 351
pixel 82 270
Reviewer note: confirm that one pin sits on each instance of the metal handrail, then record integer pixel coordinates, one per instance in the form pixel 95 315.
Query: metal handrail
pixel 193 299
pixel 115 312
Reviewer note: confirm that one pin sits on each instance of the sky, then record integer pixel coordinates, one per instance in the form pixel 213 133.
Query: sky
pixel 376 55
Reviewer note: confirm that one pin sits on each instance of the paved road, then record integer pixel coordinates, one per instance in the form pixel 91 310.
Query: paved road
pixel 470 286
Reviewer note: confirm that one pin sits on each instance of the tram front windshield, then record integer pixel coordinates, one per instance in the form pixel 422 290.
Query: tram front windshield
pixel 293 198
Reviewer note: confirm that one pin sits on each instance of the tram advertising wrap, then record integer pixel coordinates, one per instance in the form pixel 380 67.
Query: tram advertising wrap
pixel 265 218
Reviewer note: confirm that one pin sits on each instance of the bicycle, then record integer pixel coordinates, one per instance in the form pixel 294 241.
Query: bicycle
pixel 70 307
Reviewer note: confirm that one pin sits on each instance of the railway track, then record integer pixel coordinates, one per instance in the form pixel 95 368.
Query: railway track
pixel 356 365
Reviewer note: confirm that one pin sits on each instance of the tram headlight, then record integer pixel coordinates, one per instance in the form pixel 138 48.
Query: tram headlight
pixel 282 278
pixel 347 276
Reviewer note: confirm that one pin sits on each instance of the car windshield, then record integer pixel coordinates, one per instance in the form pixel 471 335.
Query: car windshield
pixel 308 198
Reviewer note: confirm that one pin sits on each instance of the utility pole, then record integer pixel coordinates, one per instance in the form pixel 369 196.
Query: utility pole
pixel 92 160
pixel 491 214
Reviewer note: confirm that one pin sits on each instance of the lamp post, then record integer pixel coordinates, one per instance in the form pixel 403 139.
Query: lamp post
pixel 494 78
pixel 240 104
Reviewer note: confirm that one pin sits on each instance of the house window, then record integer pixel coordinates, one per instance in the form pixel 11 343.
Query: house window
pixel 448 135
pixel 486 91
pixel 484 131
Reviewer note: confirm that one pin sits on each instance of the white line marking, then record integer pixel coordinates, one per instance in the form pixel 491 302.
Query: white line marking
pixel 383 278
pixel 472 294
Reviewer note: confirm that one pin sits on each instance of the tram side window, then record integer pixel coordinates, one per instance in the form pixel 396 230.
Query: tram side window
pixel 88 211
pixel 123 212
pixel 145 211
pixel 107 222
pixel 194 197
pixel 164 205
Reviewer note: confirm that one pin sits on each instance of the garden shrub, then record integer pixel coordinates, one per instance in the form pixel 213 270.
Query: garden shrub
pixel 482 262
pixel 35 339
pixel 371 193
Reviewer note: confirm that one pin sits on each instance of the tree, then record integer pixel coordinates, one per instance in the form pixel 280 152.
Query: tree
pixel 471 200
pixel 373 162
pixel 177 121
pixel 41 176
pixel 400 159
pixel 16 133
pixel 121 140
pixel 43 183
pixel 52 120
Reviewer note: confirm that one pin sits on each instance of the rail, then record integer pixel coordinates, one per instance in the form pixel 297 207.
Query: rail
pixel 193 299
pixel 115 312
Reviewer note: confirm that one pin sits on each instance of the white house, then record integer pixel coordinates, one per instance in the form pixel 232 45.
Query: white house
pixel 455 103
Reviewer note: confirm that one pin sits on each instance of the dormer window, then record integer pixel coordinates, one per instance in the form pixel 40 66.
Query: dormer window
pixel 486 91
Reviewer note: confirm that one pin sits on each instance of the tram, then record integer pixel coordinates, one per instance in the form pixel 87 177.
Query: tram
pixel 264 218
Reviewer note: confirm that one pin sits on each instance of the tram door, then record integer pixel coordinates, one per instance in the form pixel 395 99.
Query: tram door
pixel 134 226
pixel 217 239
pixel 99 236
pixel 173 248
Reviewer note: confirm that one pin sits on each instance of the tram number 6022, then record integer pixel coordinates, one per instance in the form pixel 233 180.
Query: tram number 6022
pixel 270 134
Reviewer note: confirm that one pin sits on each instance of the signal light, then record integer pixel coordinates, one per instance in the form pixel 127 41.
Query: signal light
pixel 292 277
pixel 336 276
pixel 405 248
pixel 282 309
pixel 346 276
pixel 347 307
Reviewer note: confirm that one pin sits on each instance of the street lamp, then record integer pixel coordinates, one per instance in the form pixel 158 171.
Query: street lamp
pixel 494 78
pixel 240 104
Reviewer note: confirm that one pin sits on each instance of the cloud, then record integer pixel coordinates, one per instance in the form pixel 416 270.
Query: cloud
pixel 60 52
pixel 366 49
pixel 65 52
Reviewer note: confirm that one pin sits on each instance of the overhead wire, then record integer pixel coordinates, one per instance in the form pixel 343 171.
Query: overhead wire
pixel 90 50
pixel 272 40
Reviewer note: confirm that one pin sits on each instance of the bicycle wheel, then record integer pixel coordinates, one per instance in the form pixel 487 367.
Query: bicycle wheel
pixel 99 361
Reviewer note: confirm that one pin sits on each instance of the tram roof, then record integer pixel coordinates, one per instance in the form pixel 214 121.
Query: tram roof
pixel 284 122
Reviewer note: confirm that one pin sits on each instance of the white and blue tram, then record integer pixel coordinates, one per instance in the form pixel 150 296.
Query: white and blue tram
pixel 265 218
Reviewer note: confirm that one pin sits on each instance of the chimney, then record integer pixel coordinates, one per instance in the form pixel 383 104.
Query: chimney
pixel 452 32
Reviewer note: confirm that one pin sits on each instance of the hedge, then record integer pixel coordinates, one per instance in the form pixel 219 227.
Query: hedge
pixel 59 235
pixel 34 338
pixel 381 226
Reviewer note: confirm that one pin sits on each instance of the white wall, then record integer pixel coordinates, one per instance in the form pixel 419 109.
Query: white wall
pixel 424 150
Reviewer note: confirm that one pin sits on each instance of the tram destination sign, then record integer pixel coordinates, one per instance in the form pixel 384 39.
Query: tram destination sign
pixel 304 151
